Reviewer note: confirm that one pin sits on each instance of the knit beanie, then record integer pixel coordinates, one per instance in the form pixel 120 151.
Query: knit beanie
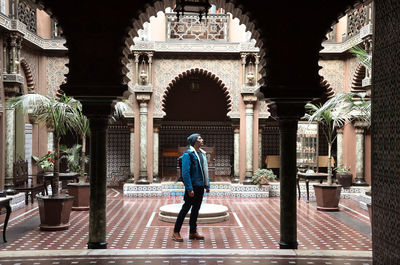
pixel 192 139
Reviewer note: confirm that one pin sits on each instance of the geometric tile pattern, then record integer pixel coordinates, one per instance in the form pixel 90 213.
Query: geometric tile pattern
pixel 253 224
pixel 118 150
pixel 386 133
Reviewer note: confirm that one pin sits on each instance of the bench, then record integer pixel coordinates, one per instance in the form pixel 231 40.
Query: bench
pixel 22 183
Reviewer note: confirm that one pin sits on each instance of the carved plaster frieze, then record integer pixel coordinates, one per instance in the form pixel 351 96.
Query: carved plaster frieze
pixel 189 46
pixel 13 78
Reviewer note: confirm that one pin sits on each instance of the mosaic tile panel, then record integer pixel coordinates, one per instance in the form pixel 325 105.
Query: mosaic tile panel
pixel 118 151
pixel 386 133
pixel 221 139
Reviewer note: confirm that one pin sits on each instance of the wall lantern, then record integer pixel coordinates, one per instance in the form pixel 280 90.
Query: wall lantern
pixel 250 74
pixel 143 74
pixel 193 6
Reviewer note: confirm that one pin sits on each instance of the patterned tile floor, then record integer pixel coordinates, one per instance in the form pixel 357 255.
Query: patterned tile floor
pixel 253 226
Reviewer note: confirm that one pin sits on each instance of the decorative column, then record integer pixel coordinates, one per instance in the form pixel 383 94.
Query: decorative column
pixel 236 153
pixel 143 99
pixel 243 55
pixel 50 140
pixel 10 149
pixel 360 128
pixel 98 181
pixel 131 126
pixel 339 139
pixel 288 113
pixel 260 131
pixel 136 68
pixel 249 100
pixel 150 57
pixel 256 72
pixel 156 135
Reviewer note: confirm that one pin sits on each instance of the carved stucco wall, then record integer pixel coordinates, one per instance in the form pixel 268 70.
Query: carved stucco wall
pixel 56 70
pixel 165 70
pixel 33 61
pixel 333 72
pixel 352 63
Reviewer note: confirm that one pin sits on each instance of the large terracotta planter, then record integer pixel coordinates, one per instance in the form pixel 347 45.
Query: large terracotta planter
pixel 81 193
pixel 345 179
pixel 327 197
pixel 55 212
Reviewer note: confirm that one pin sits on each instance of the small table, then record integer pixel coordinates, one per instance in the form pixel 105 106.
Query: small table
pixel 5 203
pixel 307 177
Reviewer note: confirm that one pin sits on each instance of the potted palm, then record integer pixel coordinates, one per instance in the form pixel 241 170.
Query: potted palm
pixel 344 176
pixel 81 190
pixel 331 115
pixel 61 115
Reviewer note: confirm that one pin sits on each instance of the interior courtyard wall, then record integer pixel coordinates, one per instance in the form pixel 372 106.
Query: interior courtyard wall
pixel 341 28
pixel 332 71
pixel 158 27
pixel 349 148
pixel 43 24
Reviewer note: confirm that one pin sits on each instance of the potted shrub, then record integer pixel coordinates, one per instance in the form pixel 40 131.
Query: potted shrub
pixel 45 162
pixel 61 115
pixel 331 115
pixel 263 177
pixel 344 176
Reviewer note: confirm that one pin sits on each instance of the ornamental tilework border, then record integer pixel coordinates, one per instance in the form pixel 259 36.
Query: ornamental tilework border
pixel 165 70
pixel 386 133
pixel 56 71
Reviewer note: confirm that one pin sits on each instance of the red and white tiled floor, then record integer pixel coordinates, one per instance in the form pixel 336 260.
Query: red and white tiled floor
pixel 253 227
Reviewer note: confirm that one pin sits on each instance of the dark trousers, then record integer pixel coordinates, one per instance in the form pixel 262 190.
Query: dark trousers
pixel 195 203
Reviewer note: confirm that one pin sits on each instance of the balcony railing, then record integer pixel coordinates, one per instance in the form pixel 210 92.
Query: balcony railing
pixel 358 18
pixel 189 27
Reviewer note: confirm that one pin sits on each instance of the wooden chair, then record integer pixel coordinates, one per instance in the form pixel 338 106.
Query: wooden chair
pixel 22 183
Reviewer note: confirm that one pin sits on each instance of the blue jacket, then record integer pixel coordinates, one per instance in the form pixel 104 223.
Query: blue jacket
pixel 195 174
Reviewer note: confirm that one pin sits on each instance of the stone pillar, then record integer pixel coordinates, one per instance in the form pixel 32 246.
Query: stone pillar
pixel 288 113
pixel 156 179
pixel 150 56
pixel 98 181
pixel 260 131
pixel 236 153
pixel 143 99
pixel 136 68
pixel 249 101
pixel 360 128
pixel 256 71
pixel 10 149
pixel 243 55
pixel 50 140
pixel 131 152
pixel 288 168
pixel 339 139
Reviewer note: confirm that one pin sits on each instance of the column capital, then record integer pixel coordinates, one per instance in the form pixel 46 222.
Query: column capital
pixel 339 130
pixel 143 98
pixel 288 109
pixel 249 100
pixel 361 125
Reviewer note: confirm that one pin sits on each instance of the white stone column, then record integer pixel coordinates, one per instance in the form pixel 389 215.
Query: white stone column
pixel 156 179
pixel 360 128
pixel 243 55
pixel 260 165
pixel 150 56
pixel 143 99
pixel 256 72
pixel 339 142
pixel 131 178
pixel 236 154
pixel 50 140
pixel 136 68
pixel 10 148
pixel 249 101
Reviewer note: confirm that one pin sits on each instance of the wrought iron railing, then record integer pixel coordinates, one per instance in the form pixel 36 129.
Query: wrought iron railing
pixel 358 18
pixel 189 27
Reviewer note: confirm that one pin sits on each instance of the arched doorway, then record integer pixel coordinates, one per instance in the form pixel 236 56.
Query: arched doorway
pixel 197 102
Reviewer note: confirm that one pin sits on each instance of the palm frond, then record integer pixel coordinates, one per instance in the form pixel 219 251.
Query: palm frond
pixel 29 102
pixel 363 56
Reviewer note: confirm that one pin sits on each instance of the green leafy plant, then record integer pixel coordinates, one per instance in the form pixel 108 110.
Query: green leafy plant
pixel 61 115
pixel 342 169
pixel 45 162
pixel 74 159
pixel 263 176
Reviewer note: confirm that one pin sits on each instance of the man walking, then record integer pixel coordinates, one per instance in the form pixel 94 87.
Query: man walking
pixel 195 177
